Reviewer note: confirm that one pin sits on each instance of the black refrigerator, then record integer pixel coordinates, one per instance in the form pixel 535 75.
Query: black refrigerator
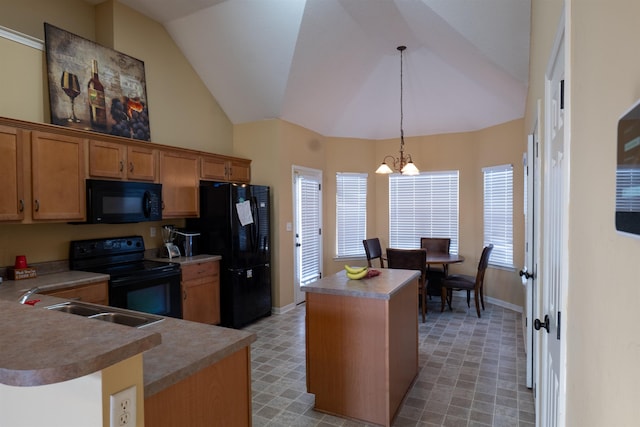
pixel 235 223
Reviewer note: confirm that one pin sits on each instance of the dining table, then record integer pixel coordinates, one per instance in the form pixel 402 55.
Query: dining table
pixel 437 258
pixel 440 258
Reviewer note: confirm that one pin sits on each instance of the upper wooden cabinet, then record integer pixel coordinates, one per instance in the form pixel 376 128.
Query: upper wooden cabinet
pixel 221 169
pixel 180 178
pixel 57 177
pixel 119 161
pixel 12 198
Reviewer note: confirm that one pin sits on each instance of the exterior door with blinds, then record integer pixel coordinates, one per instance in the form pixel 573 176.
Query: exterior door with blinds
pixel 307 199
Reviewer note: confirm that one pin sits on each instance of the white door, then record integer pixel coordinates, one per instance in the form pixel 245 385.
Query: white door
pixel 550 399
pixel 307 227
pixel 532 242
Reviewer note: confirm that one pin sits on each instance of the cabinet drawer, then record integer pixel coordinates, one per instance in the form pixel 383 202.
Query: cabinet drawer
pixel 205 269
pixel 96 293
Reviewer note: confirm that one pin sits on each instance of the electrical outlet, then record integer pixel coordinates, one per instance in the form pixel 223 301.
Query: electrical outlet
pixel 123 408
pixel 152 232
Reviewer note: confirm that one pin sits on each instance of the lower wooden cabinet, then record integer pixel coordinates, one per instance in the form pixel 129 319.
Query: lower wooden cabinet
pixel 97 293
pixel 201 292
pixel 216 396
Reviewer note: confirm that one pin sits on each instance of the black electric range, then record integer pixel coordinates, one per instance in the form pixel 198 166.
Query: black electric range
pixel 135 283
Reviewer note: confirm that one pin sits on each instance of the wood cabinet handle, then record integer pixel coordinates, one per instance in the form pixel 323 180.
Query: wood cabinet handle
pixel 21 203
pixel 121 165
pixel 184 295
pixel 130 166
pixel 37 203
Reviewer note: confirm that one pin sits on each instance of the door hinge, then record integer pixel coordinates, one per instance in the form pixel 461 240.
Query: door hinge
pixel 559 323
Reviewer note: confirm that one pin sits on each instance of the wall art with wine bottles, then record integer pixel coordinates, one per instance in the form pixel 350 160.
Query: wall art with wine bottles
pixel 95 88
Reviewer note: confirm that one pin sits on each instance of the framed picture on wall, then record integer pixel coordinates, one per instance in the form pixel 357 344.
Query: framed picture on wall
pixel 95 88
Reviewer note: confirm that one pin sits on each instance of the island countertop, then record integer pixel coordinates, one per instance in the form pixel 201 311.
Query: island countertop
pixel 383 286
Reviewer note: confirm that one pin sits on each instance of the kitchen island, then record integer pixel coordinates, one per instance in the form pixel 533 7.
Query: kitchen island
pixel 203 371
pixel 362 343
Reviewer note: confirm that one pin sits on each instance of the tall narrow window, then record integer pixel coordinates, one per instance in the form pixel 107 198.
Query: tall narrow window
pixel 424 205
pixel 351 213
pixel 498 213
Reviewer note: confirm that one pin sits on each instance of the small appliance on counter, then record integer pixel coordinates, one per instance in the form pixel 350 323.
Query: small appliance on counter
pixel 169 249
pixel 186 240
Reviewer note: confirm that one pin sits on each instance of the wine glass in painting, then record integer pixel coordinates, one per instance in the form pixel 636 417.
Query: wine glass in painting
pixel 70 86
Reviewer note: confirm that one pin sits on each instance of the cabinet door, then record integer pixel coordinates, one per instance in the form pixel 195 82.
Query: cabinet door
pixel 57 169
pixel 214 168
pixel 179 175
pixel 201 292
pixel 11 174
pixel 107 160
pixel 239 171
pixel 141 163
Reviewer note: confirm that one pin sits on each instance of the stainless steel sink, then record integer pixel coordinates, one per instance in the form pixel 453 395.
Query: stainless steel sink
pixel 107 314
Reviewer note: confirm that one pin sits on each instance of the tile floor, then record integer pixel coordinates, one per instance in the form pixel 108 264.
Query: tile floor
pixel 471 372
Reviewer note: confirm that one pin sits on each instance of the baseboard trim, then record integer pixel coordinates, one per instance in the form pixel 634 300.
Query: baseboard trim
pixel 503 304
pixel 282 310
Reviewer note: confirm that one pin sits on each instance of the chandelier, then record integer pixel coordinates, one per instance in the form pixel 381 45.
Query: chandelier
pixel 404 163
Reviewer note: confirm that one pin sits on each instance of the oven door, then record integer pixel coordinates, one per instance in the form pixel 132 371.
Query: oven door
pixel 150 293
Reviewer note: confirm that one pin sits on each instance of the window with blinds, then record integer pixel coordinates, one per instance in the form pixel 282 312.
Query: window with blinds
pixel 351 213
pixel 498 213
pixel 424 205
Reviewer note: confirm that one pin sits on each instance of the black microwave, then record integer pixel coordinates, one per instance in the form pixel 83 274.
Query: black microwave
pixel 117 202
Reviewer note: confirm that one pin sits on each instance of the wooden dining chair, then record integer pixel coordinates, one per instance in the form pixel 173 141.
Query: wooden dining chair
pixel 463 282
pixel 373 250
pixel 412 259
pixel 435 274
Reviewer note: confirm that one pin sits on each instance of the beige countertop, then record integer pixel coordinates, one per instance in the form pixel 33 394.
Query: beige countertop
pixel 42 347
pixel 378 287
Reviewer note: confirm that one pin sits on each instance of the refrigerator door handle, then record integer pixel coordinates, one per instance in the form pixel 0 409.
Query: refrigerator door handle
pixel 256 228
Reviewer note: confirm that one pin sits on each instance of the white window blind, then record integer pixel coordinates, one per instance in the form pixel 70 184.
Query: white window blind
pixel 309 196
pixel 351 213
pixel 424 205
pixel 498 213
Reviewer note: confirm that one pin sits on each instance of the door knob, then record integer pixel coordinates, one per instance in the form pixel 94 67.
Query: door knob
pixel 526 274
pixel 537 324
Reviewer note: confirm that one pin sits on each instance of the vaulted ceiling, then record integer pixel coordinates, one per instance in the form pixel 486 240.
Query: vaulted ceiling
pixel 332 65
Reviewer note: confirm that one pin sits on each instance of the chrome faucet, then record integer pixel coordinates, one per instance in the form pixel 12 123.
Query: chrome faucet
pixel 24 297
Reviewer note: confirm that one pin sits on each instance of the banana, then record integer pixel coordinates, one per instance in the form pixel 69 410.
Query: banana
pixel 358 276
pixel 354 270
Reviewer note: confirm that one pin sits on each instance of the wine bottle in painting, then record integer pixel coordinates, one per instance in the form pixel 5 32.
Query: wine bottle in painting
pixel 97 104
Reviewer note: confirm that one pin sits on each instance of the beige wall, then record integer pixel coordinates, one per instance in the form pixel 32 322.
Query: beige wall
pixel 601 314
pixel 603 348
pixel 182 112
